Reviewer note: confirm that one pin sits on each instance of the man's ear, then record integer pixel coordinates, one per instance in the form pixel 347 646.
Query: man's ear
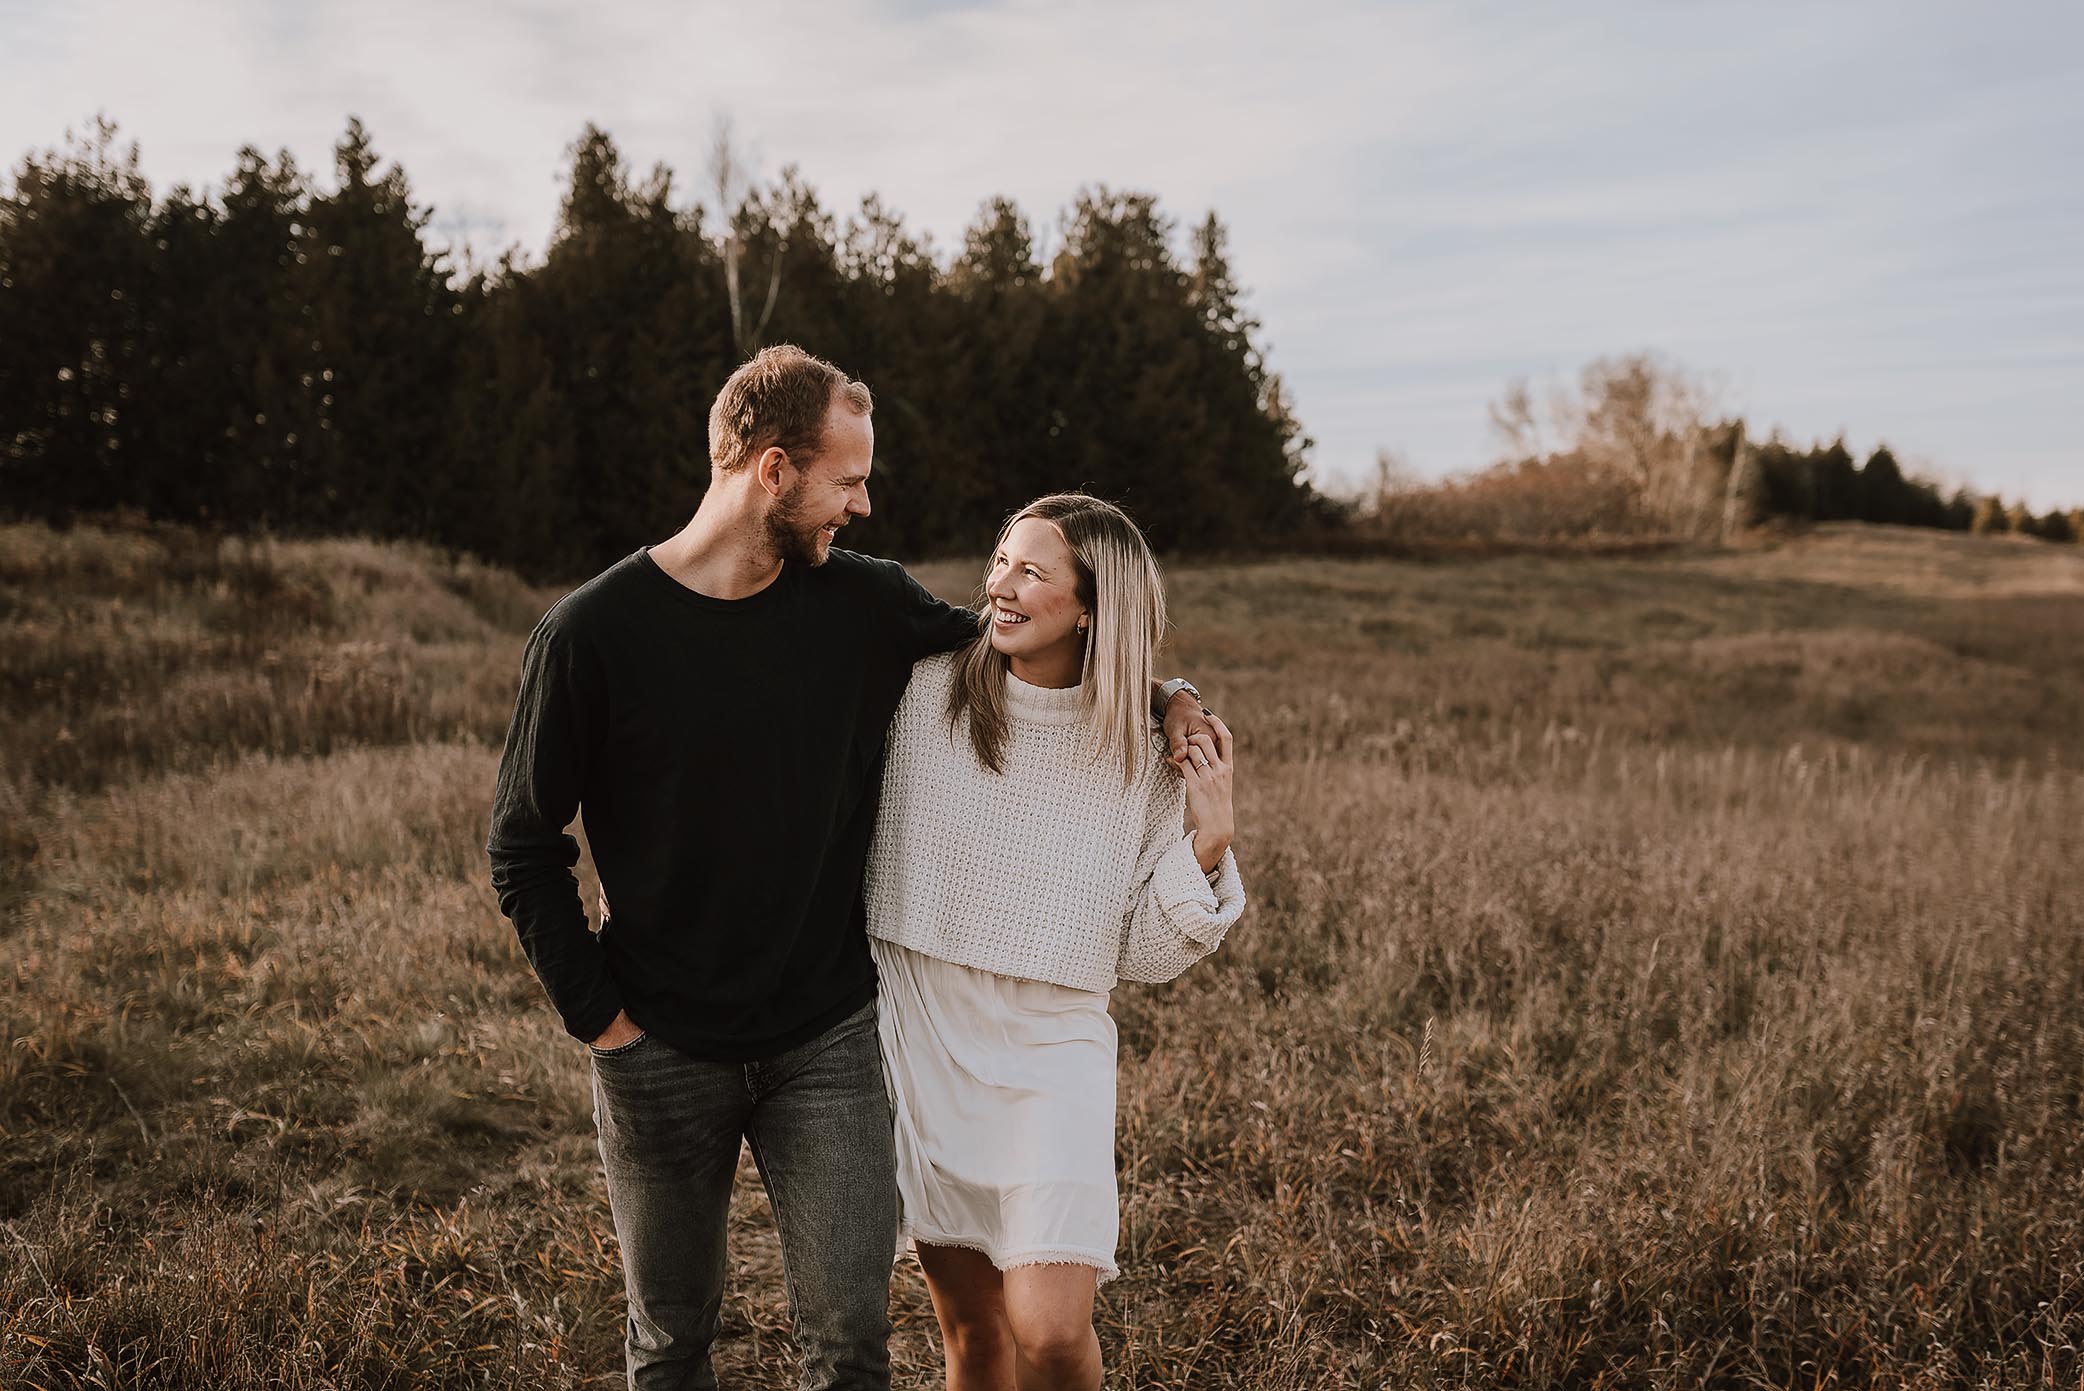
pixel 771 470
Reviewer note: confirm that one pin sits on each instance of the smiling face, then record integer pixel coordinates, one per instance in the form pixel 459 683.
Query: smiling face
pixel 827 492
pixel 1033 588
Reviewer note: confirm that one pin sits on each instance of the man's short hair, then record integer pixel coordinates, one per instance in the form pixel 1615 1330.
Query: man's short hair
pixel 779 399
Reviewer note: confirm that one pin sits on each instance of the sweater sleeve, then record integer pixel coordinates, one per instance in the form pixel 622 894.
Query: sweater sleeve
pixel 559 716
pixel 1176 914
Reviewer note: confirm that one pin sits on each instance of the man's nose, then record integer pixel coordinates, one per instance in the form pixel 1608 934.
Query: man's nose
pixel 857 501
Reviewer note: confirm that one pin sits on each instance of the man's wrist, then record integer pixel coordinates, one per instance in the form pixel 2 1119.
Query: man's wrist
pixel 1175 687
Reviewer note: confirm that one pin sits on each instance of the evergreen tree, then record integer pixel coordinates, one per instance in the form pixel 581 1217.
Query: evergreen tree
pixel 184 402
pixel 998 254
pixel 894 342
pixel 1257 445
pixel 1837 485
pixel 617 307
pixel 383 335
pixel 1790 480
pixel 1000 385
pixel 75 271
pixel 262 347
pixel 1923 506
pixel 1961 510
pixel 1125 421
pixel 1991 519
pixel 510 437
pixel 1881 488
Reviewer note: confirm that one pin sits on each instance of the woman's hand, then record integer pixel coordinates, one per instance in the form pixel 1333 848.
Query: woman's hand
pixel 1207 770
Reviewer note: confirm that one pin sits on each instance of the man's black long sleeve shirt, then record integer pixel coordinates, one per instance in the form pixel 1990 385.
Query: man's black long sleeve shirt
pixel 726 756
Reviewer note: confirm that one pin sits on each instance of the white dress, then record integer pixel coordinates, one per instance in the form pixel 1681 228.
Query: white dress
pixel 1003 1090
pixel 1002 908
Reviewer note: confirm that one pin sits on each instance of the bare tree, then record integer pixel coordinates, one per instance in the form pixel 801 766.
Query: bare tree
pixel 1512 420
pixel 1633 412
pixel 1375 495
pixel 1642 419
pixel 730 179
pixel 1744 493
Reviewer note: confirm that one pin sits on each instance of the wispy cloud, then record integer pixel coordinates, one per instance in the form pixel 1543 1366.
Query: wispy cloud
pixel 1859 216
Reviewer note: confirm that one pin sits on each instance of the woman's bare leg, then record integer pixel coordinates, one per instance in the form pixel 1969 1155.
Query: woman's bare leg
pixel 1050 1310
pixel 969 1300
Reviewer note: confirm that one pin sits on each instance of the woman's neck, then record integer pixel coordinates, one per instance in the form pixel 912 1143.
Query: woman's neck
pixel 1054 670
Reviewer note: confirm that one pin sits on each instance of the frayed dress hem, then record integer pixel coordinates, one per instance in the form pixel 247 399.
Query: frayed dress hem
pixel 1012 1260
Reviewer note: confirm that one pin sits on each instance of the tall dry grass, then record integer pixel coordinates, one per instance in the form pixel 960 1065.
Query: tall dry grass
pixel 143 648
pixel 1559 500
pixel 1661 971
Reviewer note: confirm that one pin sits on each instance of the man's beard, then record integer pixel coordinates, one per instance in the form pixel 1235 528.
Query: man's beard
pixel 789 535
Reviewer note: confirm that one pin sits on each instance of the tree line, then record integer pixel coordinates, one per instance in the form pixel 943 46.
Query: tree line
pixel 295 355
pixel 1824 482
pixel 284 354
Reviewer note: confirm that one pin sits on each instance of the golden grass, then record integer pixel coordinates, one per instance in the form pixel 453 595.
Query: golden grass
pixel 1661 971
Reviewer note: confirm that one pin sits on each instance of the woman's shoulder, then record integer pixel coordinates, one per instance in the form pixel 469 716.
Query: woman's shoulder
pixel 922 734
pixel 928 687
pixel 934 673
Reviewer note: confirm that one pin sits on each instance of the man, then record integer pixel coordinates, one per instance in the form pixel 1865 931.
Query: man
pixel 715 705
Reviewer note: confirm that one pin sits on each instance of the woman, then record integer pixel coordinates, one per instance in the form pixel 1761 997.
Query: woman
pixel 1034 845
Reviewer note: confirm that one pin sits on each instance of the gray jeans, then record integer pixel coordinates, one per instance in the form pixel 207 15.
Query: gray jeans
pixel 818 1120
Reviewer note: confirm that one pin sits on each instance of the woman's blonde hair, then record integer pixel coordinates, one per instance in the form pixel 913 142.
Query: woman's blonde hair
pixel 1119 584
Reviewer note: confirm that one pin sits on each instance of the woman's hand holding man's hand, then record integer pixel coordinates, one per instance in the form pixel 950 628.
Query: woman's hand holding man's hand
pixel 1207 769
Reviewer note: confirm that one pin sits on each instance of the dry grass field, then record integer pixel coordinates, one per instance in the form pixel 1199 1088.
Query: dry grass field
pixel 1662 971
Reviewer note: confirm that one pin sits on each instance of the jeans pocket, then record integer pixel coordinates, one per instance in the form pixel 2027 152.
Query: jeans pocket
pixel 620 1049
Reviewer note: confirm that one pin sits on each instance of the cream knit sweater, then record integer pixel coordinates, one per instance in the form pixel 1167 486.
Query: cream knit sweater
pixel 1050 871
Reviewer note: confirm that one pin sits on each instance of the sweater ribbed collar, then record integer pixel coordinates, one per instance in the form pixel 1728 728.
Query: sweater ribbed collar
pixel 1041 704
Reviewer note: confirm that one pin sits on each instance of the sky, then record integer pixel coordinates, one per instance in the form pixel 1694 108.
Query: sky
pixel 1855 218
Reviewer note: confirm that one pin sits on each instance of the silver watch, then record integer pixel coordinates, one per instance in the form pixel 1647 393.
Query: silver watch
pixel 1173 687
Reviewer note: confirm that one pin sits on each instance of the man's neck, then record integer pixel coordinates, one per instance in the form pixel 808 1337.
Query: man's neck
pixel 722 553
